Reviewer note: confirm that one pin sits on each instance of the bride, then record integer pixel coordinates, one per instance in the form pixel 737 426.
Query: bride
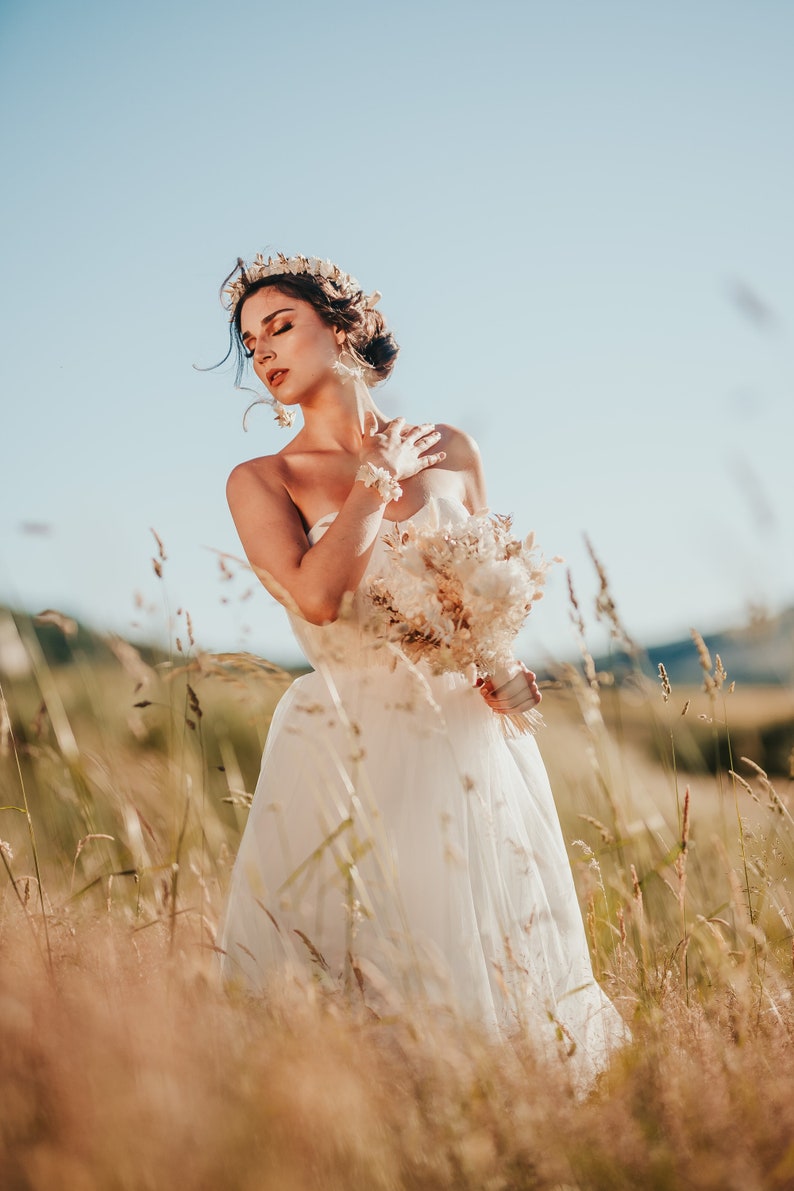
pixel 398 841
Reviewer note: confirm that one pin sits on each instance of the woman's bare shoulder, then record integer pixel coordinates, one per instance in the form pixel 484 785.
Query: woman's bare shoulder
pixel 265 471
pixel 460 447
pixel 463 456
pixel 260 487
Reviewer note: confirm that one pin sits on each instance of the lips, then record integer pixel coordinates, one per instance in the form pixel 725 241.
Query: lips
pixel 275 376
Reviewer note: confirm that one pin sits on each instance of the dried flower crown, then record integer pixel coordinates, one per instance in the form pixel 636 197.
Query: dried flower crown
pixel 278 265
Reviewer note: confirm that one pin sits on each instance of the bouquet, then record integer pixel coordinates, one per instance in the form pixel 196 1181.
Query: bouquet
pixel 455 596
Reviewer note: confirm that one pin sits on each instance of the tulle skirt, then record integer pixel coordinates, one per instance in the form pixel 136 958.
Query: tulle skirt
pixel 398 839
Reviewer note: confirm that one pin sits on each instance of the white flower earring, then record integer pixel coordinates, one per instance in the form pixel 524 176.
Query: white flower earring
pixel 352 371
pixel 283 415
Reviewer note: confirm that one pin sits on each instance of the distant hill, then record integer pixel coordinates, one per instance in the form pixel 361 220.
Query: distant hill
pixel 60 639
pixel 761 653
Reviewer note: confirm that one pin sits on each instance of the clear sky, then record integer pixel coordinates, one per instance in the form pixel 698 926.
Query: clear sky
pixel 579 215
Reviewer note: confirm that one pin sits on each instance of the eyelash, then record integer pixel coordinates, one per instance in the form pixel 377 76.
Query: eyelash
pixel 249 352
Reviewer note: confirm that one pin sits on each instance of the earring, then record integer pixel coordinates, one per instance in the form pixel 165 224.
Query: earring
pixel 284 417
pixel 355 373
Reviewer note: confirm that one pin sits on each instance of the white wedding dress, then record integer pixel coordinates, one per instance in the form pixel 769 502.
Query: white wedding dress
pixel 398 839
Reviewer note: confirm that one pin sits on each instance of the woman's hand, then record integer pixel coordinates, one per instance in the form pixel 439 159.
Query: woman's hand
pixel 401 449
pixel 519 693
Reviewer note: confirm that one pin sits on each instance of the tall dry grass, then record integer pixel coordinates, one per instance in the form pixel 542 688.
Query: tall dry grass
pixel 123 1064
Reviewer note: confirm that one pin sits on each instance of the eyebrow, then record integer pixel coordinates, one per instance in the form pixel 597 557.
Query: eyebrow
pixel 268 318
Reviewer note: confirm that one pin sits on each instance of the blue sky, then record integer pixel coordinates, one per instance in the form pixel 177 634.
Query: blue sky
pixel 579 215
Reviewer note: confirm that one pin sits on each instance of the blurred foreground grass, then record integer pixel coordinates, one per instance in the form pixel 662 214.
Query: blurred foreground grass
pixel 123 1064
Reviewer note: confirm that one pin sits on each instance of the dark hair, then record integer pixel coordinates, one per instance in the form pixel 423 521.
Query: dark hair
pixel 368 337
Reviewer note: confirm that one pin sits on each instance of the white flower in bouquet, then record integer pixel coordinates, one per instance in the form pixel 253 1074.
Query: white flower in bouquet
pixel 454 595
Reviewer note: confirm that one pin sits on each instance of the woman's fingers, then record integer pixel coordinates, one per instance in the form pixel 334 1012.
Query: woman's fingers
pixel 370 424
pixel 404 448
pixel 519 693
pixel 523 702
pixel 430 460
pixel 504 707
pixel 417 433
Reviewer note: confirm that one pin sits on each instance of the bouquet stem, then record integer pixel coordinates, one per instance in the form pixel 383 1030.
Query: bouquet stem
pixel 521 723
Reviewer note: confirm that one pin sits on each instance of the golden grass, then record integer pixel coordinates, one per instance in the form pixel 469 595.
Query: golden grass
pixel 124 1065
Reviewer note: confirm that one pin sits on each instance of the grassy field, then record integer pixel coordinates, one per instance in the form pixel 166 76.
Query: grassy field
pixel 123 1064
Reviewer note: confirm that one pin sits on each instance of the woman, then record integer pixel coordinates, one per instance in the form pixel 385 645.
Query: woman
pixel 396 836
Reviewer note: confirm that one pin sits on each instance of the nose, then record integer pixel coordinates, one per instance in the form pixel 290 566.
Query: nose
pixel 263 349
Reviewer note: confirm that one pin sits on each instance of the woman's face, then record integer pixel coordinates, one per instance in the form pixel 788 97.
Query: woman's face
pixel 292 350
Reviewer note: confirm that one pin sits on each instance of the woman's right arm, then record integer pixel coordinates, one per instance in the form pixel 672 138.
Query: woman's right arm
pixel 313 580
pixel 310 580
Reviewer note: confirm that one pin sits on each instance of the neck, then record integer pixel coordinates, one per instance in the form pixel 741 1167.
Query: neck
pixel 341 418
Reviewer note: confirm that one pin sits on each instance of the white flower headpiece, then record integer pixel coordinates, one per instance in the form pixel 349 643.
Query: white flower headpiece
pixel 278 265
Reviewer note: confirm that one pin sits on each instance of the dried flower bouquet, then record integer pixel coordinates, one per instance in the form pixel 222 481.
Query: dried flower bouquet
pixel 455 596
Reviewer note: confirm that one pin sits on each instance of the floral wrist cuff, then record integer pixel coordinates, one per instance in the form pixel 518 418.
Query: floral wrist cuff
pixel 381 480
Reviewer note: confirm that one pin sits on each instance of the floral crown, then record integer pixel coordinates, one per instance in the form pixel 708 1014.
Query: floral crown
pixel 279 265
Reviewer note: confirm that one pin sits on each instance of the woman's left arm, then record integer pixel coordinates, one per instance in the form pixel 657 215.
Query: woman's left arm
pixel 463 456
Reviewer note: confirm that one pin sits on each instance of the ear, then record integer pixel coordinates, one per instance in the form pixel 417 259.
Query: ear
pixel 341 336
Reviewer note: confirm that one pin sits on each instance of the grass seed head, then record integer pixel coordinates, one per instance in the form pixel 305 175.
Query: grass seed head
pixel 636 888
pixel 161 554
pixel 666 689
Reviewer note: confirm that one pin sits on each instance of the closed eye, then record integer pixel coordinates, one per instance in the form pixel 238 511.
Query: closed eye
pixel 248 352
